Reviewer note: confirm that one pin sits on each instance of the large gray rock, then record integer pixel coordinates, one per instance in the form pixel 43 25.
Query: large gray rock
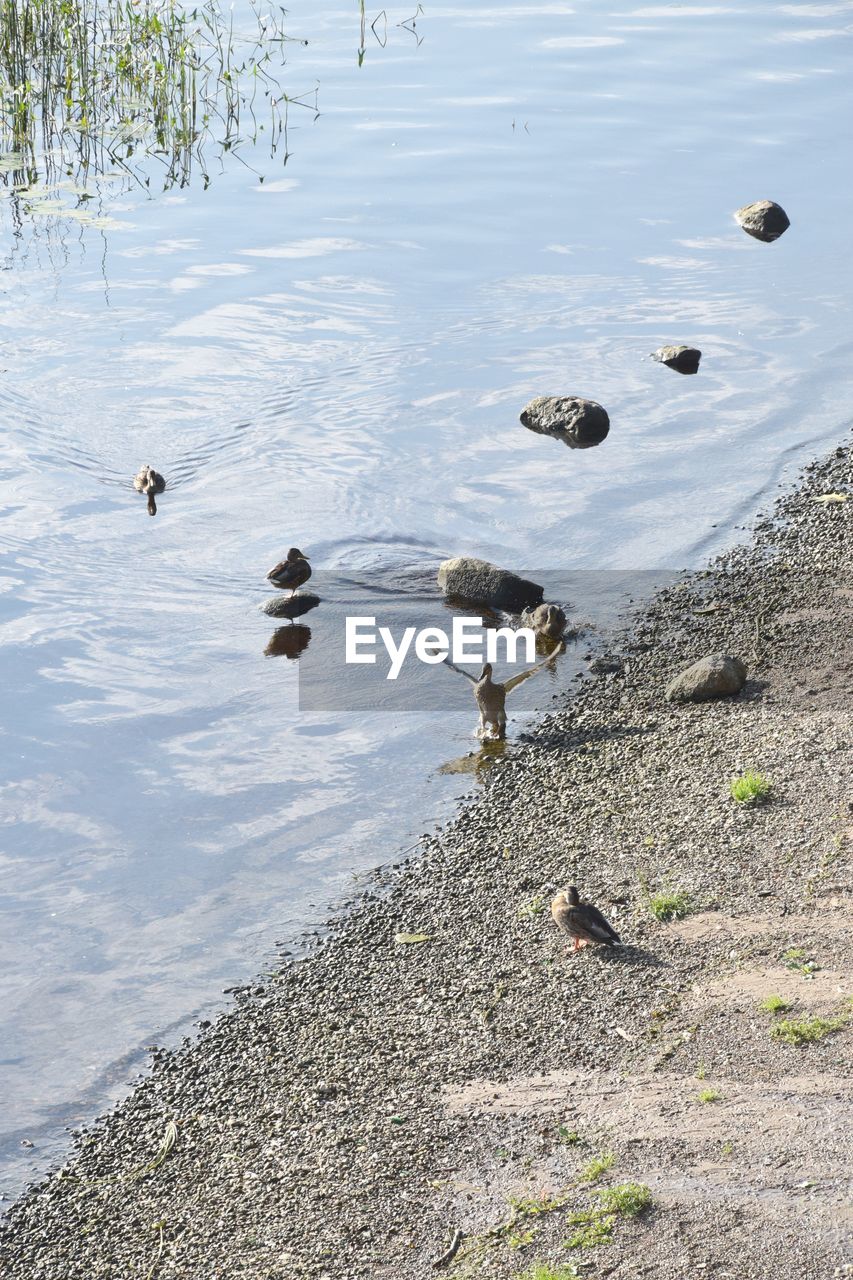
pixel 764 219
pixel 717 676
pixel 682 359
pixel 485 583
pixel 546 620
pixel 290 606
pixel 577 422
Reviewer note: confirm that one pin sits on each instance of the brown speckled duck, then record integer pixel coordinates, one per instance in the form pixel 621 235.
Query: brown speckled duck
pixel 581 921
pixel 292 571
pixel 149 482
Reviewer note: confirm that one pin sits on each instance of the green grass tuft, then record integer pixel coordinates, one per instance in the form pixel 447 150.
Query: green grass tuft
pixel 597 1166
pixel 775 1004
pixel 750 788
pixel 544 1271
pixel 805 1030
pixel 710 1095
pixel 627 1199
pixel 670 904
pixel 595 1225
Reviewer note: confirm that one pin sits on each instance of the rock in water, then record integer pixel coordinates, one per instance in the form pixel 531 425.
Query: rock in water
pixel 682 359
pixel 577 422
pixel 764 219
pixel 717 676
pixel 546 620
pixel 290 607
pixel 485 583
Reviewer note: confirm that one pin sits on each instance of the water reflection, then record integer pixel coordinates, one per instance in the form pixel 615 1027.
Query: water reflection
pixel 288 642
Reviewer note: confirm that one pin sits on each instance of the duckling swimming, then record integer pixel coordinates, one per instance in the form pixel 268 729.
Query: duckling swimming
pixel 149 481
pixel 581 921
pixel 291 572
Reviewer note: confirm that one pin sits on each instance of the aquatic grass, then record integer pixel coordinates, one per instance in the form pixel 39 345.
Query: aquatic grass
pixel 90 88
pixel 750 788
pixel 167 1142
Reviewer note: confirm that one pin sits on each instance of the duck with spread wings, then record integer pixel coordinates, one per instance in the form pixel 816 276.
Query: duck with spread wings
pixel 491 695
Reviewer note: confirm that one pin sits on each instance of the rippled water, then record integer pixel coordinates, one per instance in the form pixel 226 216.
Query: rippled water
pixel 502 201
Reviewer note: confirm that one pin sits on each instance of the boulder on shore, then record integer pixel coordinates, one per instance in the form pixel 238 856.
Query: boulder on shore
pixel 579 423
pixel 717 676
pixel 682 359
pixel 485 583
pixel 546 620
pixel 763 219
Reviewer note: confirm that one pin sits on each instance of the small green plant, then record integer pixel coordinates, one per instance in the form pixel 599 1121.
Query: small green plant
pixel 710 1095
pixel 597 1166
pixel 533 908
pixel 670 904
pixel 595 1225
pixel 727 1148
pixel 521 1239
pixel 750 788
pixel 795 958
pixel 775 1004
pixel 543 1271
pixel 627 1199
pixel 805 1030
pixel 569 1136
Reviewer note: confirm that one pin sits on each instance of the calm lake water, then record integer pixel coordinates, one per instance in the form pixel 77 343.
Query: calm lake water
pixel 495 201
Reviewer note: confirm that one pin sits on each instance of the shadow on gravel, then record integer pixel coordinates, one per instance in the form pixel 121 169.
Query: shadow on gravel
pixel 585 736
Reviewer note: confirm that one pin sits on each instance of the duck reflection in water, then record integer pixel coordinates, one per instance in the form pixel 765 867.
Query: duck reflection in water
pixel 288 642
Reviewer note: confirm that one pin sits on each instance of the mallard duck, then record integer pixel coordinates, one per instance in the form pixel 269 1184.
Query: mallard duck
pixel 491 696
pixel 149 481
pixel 291 572
pixel 581 921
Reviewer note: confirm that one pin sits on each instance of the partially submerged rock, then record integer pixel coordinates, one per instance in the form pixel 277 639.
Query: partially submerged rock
pixel 682 359
pixel 606 664
pixel 546 620
pixel 485 583
pixel 579 423
pixel 290 606
pixel 717 676
pixel 764 219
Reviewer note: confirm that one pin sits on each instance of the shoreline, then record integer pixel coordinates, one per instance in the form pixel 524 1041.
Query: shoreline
pixel 348 1117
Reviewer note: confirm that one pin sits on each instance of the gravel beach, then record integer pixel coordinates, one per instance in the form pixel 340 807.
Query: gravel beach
pixel 627 1112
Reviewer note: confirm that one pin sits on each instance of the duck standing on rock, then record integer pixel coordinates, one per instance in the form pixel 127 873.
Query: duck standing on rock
pixel 292 571
pixel 581 921
pixel 149 482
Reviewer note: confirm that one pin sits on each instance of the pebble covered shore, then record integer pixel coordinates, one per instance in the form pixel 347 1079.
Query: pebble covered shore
pixel 351 1116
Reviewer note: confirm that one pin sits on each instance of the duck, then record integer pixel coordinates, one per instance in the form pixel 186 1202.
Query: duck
pixel 292 571
pixel 149 482
pixel 491 695
pixel 581 921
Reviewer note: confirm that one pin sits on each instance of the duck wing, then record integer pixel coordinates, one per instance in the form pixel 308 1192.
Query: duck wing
pixel 511 683
pixel 290 573
pixel 461 671
pixel 598 929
